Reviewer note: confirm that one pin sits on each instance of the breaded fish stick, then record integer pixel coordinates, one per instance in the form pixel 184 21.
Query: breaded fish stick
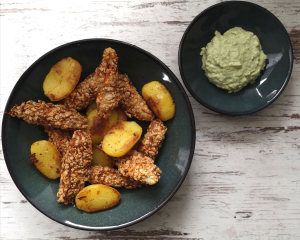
pixel 108 68
pixel 132 102
pixel 85 92
pixel 108 96
pixel 59 138
pixel 49 115
pixel 76 166
pixel 153 139
pixel 107 99
pixel 112 177
pixel 138 167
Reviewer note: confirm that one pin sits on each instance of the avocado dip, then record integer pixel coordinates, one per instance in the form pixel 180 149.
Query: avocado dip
pixel 233 60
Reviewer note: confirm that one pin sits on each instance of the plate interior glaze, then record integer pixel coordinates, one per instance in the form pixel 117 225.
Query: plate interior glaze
pixel 275 43
pixel 174 157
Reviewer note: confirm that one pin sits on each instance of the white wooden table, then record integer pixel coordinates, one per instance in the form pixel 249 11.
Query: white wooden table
pixel 244 182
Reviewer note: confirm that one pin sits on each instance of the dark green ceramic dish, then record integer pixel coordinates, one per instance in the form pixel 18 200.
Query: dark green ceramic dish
pixel 275 44
pixel 174 158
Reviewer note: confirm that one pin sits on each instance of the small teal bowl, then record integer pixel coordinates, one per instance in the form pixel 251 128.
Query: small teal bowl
pixel 174 157
pixel 275 43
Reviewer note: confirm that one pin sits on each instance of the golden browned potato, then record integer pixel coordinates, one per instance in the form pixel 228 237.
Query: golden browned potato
pixel 101 158
pixel 159 100
pixel 62 79
pixel 97 126
pixel 122 114
pixel 97 197
pixel 91 107
pixel 46 158
pixel 121 138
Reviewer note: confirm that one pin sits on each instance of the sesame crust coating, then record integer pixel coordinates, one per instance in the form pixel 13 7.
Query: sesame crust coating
pixel 153 139
pixel 109 89
pixel 139 167
pixel 76 164
pixel 112 177
pixel 59 138
pixel 49 115
pixel 85 92
pixel 108 96
pixel 132 102
pixel 107 99
pixel 108 68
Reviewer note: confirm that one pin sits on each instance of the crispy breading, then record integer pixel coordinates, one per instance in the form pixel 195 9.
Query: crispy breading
pixel 107 99
pixel 132 102
pixel 76 166
pixel 108 68
pixel 109 89
pixel 103 82
pixel 85 92
pixel 49 115
pixel 153 139
pixel 108 95
pixel 59 138
pixel 138 167
pixel 112 177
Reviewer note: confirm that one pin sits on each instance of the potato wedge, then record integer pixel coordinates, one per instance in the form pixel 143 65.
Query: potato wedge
pixel 159 100
pixel 101 158
pixel 97 197
pixel 121 138
pixel 97 126
pixel 46 158
pixel 122 114
pixel 62 79
pixel 91 107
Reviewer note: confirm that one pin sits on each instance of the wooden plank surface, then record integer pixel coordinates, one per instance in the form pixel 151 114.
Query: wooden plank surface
pixel 244 182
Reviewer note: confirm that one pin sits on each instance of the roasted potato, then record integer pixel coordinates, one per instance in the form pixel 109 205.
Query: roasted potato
pixel 97 126
pixel 91 107
pixel 101 158
pixel 46 158
pixel 97 197
pixel 62 79
pixel 121 138
pixel 122 114
pixel 159 100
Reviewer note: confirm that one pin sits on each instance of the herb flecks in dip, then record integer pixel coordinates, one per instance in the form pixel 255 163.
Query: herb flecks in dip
pixel 233 60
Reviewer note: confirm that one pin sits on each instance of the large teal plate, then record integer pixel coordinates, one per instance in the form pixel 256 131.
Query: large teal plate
pixel 275 43
pixel 174 158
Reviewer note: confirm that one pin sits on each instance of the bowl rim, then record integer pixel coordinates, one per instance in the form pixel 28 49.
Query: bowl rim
pixel 291 57
pixel 181 179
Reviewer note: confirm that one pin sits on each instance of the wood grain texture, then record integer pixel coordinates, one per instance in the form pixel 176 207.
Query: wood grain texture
pixel 295 40
pixel 244 182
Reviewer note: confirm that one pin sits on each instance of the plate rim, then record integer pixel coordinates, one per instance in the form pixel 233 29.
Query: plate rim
pixel 180 180
pixel 254 110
